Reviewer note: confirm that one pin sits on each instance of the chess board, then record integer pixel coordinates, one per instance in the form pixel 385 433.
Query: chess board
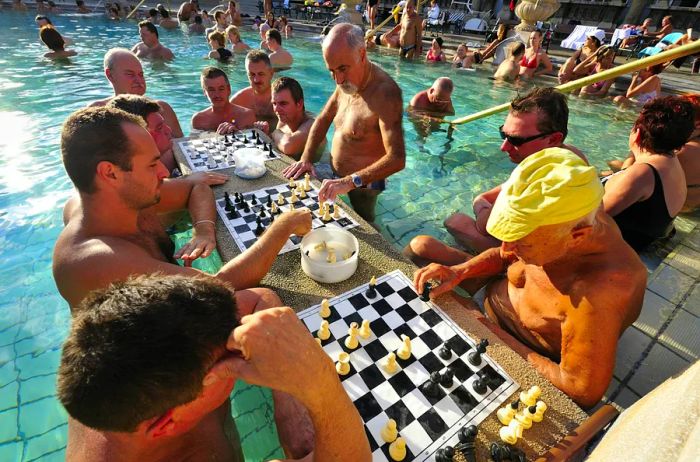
pixel 242 227
pixel 216 153
pixel 426 423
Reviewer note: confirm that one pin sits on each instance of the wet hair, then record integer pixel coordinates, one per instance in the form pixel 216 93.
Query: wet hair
pixel 149 25
pixel 665 124
pixel 51 38
pixel 657 68
pixel 439 41
pixel 288 83
pixel 198 19
pixel 218 14
pixel 142 347
pixel 84 143
pixel 153 13
pixel 211 72
pixel 163 12
pixel 41 17
pixel 275 35
pixel 551 106
pixel 233 30
pixel 141 106
pixel 258 56
pixel 218 37
pixel 517 48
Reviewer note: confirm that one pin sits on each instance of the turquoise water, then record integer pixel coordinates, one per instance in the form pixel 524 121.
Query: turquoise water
pixel 36 95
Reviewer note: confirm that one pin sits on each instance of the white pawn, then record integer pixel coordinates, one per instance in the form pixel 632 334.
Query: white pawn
pixel 325 308
pixel 397 449
pixel 540 407
pixel 365 331
pixel 307 184
pixel 294 197
pixel 351 341
pixel 529 397
pixel 302 192
pixel 391 365
pixel 326 215
pixel 324 331
pixel 389 432
pixel 404 352
pixel 517 428
pixel 342 367
pixel 336 211
pixel 280 199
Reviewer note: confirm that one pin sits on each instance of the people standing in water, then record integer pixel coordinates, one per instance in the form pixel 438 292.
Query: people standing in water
pixel 535 61
pixel 590 47
pixel 509 69
pixel 222 116
pixel 53 40
pixel 150 47
pixel 436 100
pixel 258 96
pixel 411 35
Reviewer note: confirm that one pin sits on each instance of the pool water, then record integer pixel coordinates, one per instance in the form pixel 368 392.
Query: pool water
pixel 442 174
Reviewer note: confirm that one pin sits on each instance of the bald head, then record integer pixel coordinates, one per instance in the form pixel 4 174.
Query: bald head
pixel 124 71
pixel 443 84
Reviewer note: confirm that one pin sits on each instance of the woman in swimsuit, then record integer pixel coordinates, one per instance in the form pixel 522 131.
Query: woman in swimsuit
pixel 568 71
pixel 645 86
pixel 435 53
pixel 234 36
pixel 646 197
pixel 501 34
pixel 601 61
pixel 535 57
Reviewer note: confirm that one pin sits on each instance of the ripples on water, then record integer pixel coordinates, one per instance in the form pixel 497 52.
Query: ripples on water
pixel 36 95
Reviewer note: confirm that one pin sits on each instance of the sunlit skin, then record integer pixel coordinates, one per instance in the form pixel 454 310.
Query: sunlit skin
pixel 436 100
pixel 150 46
pixel 258 95
pixel 533 51
pixel 223 116
pixel 163 136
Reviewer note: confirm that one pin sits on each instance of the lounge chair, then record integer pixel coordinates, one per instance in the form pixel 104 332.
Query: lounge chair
pixel 668 39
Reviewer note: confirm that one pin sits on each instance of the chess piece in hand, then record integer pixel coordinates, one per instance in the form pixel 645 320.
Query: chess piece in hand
pixel 434 271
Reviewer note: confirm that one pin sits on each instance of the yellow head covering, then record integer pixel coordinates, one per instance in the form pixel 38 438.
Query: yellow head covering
pixel 549 187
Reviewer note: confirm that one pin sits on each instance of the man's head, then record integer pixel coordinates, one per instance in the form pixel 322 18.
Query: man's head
pixel 124 71
pixel 666 20
pixel 287 99
pixel 664 125
pixel 536 121
pixel 198 19
pixel 153 14
pixel 273 39
pixel 109 150
pixel 150 111
pixel 441 91
pixel 51 38
pixel 410 6
pixel 346 57
pixel 148 33
pixel 216 40
pixel 216 86
pixel 220 18
pixel 42 21
pixel 138 352
pixel 547 207
pixel 233 34
pixel 517 49
pixel 260 71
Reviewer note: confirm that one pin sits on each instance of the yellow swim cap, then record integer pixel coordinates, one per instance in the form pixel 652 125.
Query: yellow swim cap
pixel 549 187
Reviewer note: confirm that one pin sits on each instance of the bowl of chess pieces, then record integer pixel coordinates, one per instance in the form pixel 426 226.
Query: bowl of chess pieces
pixel 329 254
pixel 250 163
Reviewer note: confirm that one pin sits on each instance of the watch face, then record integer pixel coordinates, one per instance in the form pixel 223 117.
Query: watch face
pixel 357 180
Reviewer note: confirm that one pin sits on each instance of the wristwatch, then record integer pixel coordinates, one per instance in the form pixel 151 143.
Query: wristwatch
pixel 356 180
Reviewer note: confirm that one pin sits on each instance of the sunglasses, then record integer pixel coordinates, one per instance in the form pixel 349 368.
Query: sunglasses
pixel 518 140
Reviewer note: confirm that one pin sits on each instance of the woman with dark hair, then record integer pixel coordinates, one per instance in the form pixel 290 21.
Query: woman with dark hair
pixel 644 198
pixel 55 42
pixel 601 61
pixel 568 71
pixel 435 53
pixel 645 86
pixel 535 57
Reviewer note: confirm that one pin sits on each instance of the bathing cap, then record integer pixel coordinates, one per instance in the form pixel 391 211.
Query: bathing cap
pixel 549 187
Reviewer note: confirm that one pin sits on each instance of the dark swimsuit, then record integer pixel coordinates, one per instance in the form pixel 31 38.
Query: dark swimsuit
pixel 224 54
pixel 643 222
pixel 378 39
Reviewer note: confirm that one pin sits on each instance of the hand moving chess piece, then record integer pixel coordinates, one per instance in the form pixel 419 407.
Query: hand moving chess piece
pixel 404 352
pixel 324 331
pixel 397 449
pixel 325 310
pixel 389 432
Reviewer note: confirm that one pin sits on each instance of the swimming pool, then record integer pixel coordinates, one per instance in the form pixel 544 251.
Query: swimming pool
pixel 442 174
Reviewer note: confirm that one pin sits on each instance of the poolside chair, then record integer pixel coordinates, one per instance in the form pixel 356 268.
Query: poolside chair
pixel 475 25
pixel 467 4
pixel 664 42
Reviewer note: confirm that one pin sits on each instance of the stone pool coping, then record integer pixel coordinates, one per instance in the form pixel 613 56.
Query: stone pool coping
pixel 377 257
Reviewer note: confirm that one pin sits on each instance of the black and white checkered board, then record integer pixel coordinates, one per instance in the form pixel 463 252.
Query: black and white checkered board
pixel 242 228
pixel 216 153
pixel 425 422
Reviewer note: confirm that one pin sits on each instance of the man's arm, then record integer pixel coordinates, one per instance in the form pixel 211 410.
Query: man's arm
pixel 292 144
pixel 199 121
pixel 625 189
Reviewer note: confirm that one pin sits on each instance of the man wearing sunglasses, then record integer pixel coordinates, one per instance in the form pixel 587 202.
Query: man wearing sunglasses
pixel 535 122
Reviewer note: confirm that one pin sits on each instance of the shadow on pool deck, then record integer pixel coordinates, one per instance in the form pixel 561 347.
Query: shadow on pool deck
pixel 664 340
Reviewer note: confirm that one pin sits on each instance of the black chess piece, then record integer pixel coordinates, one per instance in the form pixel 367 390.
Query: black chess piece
pixel 480 385
pixel 445 352
pixel 245 139
pixel 262 213
pixel 467 446
pixel 425 296
pixel 246 207
pixel 446 378
pixel 371 291
pixel 474 357
pixel 445 454
pixel 228 206
pixel 269 201
pixel 234 213
pixel 501 452
pixel 431 387
pixel 269 151
pixel 254 200
pixel 260 228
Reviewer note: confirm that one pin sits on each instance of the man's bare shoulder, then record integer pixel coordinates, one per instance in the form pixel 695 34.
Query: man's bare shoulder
pixel 242 96
pixel 202 120
pixel 384 85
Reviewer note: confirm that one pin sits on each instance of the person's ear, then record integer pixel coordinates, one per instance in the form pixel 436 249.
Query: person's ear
pixel 161 426
pixel 556 138
pixel 106 171
pixel 108 74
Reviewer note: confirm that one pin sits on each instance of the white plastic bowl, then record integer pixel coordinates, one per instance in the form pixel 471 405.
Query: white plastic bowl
pixel 323 271
pixel 250 163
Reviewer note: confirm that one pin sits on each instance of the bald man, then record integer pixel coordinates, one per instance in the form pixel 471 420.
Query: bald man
pixel 437 99
pixel 125 73
pixel 366 108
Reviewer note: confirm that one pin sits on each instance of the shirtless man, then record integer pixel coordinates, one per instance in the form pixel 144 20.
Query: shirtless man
pixel 125 73
pixel 571 284
pixel 258 96
pixel 82 9
pixel 437 99
pixel 220 24
pixel 411 36
pixel 536 121
pixel 294 121
pixel 166 21
pixel 187 10
pixel 150 47
pixel 178 407
pixel 279 57
pixel 366 108
pixel 222 116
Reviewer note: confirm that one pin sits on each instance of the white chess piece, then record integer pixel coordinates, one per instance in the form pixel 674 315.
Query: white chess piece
pixel 307 184
pixel 390 365
pixel 397 449
pixel 336 211
pixel 324 331
pixel 325 308
pixel 351 341
pixel 280 199
pixel 365 331
pixel 404 352
pixel 342 367
pixel 389 432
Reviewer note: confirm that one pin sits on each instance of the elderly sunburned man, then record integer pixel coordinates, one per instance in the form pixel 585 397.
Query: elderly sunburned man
pixel 563 283
pixel 367 109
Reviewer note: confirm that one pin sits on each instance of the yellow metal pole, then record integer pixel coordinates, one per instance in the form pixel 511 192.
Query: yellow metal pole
pixel 663 57
pixel 135 9
pixel 383 23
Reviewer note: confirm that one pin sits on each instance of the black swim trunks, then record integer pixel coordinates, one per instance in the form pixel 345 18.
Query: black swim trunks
pixel 378 39
pixel 373 3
